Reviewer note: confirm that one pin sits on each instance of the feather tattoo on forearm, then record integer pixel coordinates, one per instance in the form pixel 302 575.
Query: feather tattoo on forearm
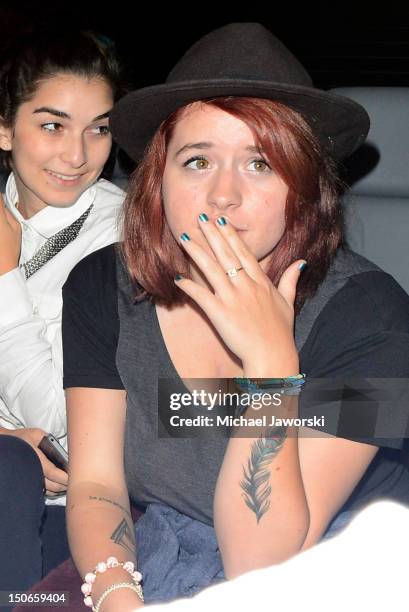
pixel 255 483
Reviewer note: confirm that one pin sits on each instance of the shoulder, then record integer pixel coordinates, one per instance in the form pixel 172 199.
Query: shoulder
pixel 102 227
pixel 383 297
pixel 356 290
pixel 368 302
pixel 90 302
pixel 90 324
pixel 363 327
pixel 107 199
pixel 93 275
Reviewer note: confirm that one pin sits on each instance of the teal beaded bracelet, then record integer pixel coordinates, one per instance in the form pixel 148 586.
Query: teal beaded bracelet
pixel 264 384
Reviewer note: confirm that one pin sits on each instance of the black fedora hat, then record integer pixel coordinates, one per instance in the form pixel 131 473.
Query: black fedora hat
pixel 239 59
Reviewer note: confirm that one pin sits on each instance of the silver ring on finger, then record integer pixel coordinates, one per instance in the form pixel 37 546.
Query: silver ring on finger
pixel 234 271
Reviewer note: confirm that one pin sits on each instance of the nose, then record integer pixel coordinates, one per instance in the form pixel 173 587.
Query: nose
pixel 74 151
pixel 224 189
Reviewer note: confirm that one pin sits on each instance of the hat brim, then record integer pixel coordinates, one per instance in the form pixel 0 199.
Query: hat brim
pixel 341 124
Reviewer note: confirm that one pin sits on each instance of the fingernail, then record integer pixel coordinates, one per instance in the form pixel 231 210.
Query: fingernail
pixel 221 221
pixel 184 237
pixel 203 217
pixel 302 266
pixel 178 277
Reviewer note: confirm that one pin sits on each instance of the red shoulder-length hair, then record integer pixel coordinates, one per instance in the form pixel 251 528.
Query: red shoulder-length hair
pixel 313 215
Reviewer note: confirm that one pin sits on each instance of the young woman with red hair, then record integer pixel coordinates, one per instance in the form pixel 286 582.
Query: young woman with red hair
pixel 235 191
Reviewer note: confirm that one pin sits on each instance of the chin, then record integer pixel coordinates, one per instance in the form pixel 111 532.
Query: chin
pixel 56 201
pixel 64 200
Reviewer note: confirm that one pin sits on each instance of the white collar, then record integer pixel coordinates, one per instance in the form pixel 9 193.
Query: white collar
pixel 50 219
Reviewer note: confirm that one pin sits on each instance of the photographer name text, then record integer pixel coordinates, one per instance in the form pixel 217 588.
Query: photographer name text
pixel 244 421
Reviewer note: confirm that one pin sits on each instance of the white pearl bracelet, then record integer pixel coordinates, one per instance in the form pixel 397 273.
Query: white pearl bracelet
pixel 102 567
pixel 118 585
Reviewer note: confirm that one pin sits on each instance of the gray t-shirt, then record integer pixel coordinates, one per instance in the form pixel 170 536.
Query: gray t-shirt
pixel 357 325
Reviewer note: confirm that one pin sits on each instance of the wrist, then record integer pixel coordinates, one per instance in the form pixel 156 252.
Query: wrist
pixel 266 367
pixel 121 599
pixel 107 579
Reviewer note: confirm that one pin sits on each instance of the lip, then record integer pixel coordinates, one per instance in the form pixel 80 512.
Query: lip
pixel 57 178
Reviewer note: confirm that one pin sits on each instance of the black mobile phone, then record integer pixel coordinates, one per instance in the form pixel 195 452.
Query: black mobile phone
pixel 53 450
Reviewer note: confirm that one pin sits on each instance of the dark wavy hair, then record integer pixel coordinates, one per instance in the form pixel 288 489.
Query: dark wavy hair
pixel 313 214
pixel 42 54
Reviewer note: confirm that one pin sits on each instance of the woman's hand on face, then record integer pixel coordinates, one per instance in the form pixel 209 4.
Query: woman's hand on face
pixel 55 480
pixel 10 240
pixel 254 318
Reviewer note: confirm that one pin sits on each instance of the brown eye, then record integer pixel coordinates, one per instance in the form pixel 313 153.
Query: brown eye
pixel 259 165
pixel 101 130
pixel 202 164
pixel 197 163
pixel 52 127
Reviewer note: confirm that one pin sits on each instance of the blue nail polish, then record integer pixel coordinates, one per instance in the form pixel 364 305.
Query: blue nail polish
pixel 203 217
pixel 178 277
pixel 184 237
pixel 221 221
pixel 302 266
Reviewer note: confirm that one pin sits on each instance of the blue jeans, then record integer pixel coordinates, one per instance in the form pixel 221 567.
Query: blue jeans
pixel 33 536
pixel 338 524
pixel 179 556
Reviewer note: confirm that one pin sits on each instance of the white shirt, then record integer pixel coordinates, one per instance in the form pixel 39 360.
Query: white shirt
pixel 31 391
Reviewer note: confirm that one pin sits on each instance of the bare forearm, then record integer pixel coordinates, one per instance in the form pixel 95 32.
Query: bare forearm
pixel 99 526
pixel 260 509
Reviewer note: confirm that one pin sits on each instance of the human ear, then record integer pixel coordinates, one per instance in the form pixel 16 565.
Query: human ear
pixel 5 136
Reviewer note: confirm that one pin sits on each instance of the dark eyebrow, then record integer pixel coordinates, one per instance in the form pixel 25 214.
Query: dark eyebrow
pixel 103 116
pixel 61 114
pixel 51 111
pixel 208 145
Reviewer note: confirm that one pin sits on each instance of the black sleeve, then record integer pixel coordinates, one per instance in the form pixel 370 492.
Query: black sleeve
pixel 90 325
pixel 363 333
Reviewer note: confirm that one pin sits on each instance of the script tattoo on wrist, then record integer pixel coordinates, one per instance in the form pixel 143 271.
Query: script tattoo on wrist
pixel 124 536
pixel 111 501
pixel 255 483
